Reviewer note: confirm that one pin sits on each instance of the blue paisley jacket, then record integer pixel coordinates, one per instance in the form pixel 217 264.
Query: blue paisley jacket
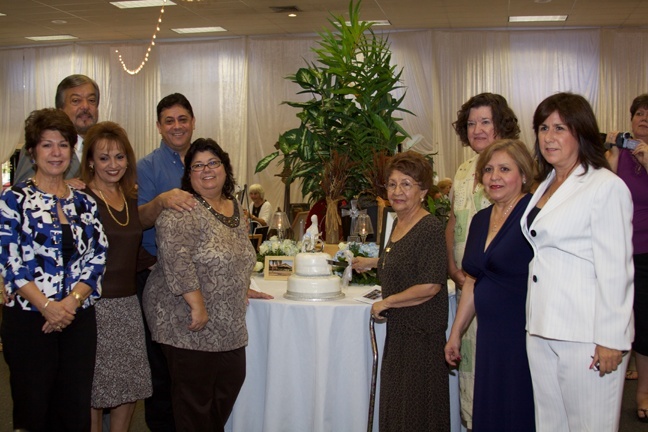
pixel 31 248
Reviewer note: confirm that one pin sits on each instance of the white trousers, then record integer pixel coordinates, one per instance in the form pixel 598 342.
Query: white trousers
pixel 568 395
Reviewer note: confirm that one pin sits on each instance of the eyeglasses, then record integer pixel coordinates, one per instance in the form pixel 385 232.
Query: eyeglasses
pixel 405 186
pixel 201 166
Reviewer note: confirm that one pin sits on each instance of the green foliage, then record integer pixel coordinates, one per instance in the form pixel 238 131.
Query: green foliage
pixel 439 207
pixel 352 110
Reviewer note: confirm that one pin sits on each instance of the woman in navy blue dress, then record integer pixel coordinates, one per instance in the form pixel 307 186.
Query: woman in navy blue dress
pixel 496 265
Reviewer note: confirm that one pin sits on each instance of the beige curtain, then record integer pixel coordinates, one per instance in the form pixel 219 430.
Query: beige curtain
pixel 236 85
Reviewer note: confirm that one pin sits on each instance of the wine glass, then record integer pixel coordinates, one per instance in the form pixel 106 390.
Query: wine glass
pixel 363 226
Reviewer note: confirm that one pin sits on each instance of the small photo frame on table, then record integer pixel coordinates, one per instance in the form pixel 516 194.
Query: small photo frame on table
pixel 278 267
pixel 388 217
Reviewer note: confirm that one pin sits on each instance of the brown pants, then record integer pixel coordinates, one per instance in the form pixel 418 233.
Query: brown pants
pixel 204 386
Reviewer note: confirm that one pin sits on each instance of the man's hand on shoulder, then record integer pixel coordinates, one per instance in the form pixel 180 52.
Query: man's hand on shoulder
pixel 76 183
pixel 178 199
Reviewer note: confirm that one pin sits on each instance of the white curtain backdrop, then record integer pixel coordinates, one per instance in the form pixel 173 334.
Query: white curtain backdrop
pixel 236 86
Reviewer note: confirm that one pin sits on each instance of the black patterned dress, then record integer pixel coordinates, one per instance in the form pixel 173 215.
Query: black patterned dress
pixel 414 376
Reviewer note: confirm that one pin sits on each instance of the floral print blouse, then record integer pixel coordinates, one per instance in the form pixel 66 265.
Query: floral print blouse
pixel 31 244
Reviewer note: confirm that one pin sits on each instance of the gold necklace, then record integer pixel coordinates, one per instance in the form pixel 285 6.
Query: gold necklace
pixel 60 196
pixel 111 213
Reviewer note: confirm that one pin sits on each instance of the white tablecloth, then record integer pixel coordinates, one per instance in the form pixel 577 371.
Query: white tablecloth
pixel 309 365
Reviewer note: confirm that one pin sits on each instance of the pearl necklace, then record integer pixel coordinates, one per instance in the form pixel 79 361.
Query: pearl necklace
pixel 111 213
pixel 497 224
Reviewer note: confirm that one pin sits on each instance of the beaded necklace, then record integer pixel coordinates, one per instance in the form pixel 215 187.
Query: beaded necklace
pixel 232 221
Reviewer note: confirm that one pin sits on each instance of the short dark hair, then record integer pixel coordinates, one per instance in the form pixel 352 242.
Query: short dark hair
pixel 173 100
pixel 578 116
pixel 73 81
pixel 48 119
pixel 111 132
pixel 640 101
pixel 208 144
pixel 414 165
pixel 504 119
pixel 520 154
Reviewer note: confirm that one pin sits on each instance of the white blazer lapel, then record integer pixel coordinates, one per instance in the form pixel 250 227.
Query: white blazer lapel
pixel 536 197
pixel 564 192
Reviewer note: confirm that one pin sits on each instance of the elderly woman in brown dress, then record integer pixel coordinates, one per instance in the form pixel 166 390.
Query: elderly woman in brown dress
pixel 195 297
pixel 412 271
pixel 122 375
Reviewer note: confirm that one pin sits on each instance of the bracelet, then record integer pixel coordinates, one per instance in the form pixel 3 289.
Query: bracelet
pixel 77 296
pixel 46 303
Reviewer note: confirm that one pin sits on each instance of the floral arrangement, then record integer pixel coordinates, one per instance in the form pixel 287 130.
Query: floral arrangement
pixel 274 247
pixel 367 250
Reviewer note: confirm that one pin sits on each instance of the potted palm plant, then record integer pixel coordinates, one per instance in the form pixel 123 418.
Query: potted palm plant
pixel 351 114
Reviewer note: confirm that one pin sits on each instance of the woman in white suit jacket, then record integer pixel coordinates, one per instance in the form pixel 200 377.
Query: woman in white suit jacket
pixel 579 302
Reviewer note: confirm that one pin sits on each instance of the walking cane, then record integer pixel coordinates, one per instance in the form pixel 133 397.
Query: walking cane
pixel 374 373
pixel 374 369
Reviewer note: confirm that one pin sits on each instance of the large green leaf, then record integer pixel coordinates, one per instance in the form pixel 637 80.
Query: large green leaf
pixel 263 163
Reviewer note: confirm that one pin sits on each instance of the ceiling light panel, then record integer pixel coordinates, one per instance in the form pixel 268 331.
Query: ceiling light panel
pixel 51 38
pixel 141 3
pixel 188 30
pixel 538 18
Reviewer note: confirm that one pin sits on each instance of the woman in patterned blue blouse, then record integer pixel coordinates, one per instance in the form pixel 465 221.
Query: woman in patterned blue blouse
pixel 53 252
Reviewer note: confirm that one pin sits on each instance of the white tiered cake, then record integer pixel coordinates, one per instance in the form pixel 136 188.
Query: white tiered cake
pixel 313 280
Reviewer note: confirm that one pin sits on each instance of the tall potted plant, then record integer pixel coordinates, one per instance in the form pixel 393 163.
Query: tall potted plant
pixel 352 111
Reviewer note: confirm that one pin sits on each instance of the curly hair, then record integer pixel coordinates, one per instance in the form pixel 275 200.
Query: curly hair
pixel 208 144
pixel 504 119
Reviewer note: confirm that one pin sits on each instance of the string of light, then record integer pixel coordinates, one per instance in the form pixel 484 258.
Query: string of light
pixel 148 51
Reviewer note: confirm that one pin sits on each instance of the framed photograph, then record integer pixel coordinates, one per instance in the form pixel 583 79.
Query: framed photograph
pixel 256 240
pixel 388 217
pixel 278 267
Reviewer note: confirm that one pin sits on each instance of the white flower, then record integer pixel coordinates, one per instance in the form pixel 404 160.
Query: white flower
pixel 343 246
pixel 275 247
pixel 258 266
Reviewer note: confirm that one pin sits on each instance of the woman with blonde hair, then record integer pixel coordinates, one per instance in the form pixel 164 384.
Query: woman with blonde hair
pixel 496 264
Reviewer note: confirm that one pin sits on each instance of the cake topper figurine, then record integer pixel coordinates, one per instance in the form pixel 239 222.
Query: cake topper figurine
pixel 348 271
pixel 311 241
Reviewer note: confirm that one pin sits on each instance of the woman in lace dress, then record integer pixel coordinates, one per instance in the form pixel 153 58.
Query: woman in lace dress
pixel 195 297
pixel 412 271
